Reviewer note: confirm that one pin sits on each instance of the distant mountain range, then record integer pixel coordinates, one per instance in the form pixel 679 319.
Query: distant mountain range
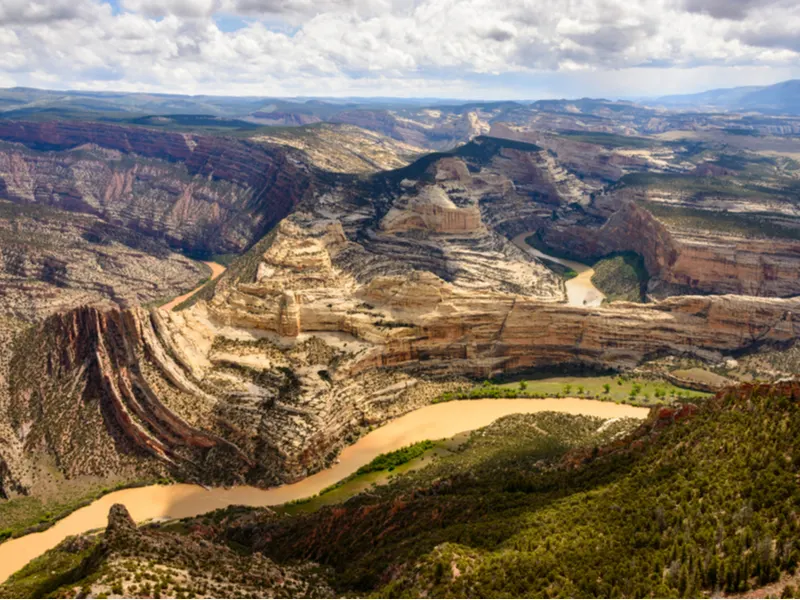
pixel 780 98
pixel 21 102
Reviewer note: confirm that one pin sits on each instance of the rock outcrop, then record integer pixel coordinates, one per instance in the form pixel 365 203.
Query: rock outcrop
pixel 52 261
pixel 344 148
pixel 267 381
pixel 361 305
pixel 369 300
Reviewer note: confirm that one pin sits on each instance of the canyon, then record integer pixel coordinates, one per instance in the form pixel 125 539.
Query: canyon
pixel 364 303
pixel 363 279
pixel 179 501
pixel 195 192
pixel 106 215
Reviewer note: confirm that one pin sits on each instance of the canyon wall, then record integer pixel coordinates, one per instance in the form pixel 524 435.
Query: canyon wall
pixel 279 370
pixel 198 395
pixel 196 192
pixel 368 301
pixel 98 214
pixel 682 260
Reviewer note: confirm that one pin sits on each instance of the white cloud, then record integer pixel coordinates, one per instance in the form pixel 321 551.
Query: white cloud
pixel 519 47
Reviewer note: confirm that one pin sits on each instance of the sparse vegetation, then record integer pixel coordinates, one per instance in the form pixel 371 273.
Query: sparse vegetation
pixel 628 390
pixel 621 277
pixel 390 460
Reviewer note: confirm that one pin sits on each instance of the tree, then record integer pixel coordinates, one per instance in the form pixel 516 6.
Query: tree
pixel 606 388
pixel 523 385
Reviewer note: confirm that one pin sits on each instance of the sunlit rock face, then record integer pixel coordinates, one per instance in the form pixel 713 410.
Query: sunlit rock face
pixel 681 259
pixel 97 214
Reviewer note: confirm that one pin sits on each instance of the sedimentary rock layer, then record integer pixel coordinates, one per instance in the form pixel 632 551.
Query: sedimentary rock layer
pixel 202 193
pixel 681 260
pixel 370 300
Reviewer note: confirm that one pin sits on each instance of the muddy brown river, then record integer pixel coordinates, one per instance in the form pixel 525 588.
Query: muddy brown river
pixel 183 500
pixel 216 270
pixel 580 290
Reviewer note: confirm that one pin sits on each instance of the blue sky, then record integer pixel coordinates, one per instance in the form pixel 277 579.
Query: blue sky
pixel 482 49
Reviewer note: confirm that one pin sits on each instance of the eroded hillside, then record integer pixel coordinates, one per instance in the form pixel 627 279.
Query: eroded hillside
pixel 94 214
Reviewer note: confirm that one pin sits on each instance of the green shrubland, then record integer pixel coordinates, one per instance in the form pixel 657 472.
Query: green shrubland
pixel 709 505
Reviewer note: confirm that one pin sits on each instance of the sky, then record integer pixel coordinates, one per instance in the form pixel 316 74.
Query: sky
pixel 470 49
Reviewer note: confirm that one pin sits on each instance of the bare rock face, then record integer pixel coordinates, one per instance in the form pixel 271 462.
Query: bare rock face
pixel 595 164
pixel 267 381
pixel 435 131
pixel 433 211
pixel 622 226
pixel 345 148
pixel 679 259
pixel 93 214
pixel 52 261
pixel 195 192
pixel 440 215
pixel 733 264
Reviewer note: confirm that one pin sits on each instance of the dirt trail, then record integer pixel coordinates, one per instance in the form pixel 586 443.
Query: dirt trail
pixel 216 270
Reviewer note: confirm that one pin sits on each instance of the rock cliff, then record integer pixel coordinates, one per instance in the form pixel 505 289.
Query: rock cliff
pixel 53 260
pixel 201 193
pixel 680 258
pixel 95 214
pixel 267 381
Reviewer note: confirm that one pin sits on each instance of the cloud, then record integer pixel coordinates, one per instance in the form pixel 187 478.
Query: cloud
pixel 735 9
pixel 29 12
pixel 722 9
pixel 180 8
pixel 383 46
pixel 498 34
